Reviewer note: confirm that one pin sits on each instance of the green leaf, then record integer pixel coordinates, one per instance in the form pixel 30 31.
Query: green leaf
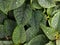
pixel 50 43
pixel 6 43
pixel 38 40
pixel 23 14
pixel 19 35
pixel 7 5
pixel 35 5
pixel 55 22
pixel 54 10
pixel 49 32
pixel 36 19
pixel 9 26
pixel 46 3
pixel 31 33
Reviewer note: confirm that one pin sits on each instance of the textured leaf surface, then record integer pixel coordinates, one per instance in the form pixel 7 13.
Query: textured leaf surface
pixel 19 35
pixel 55 22
pixel 9 26
pixel 23 14
pixel 38 40
pixel 49 32
pixel 46 3
pixel 36 19
pixel 7 5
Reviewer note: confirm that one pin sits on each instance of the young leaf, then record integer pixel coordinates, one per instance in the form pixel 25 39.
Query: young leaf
pixel 23 14
pixel 46 3
pixel 19 35
pixel 7 5
pixel 49 32
pixel 38 40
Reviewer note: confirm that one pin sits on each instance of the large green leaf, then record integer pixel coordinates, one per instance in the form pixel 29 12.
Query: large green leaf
pixel 38 40
pixel 36 19
pixel 19 35
pixel 7 5
pixel 55 22
pixel 49 32
pixel 50 43
pixel 9 26
pixel 47 3
pixel 23 14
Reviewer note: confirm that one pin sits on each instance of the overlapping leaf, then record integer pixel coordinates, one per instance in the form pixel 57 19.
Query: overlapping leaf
pixel 23 14
pixel 37 18
pixel 7 5
pixel 49 32
pixel 38 40
pixel 55 22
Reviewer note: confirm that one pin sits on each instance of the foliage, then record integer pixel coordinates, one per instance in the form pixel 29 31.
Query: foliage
pixel 29 22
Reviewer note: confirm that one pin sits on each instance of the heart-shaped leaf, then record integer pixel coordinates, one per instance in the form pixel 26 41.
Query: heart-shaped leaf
pixel 23 14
